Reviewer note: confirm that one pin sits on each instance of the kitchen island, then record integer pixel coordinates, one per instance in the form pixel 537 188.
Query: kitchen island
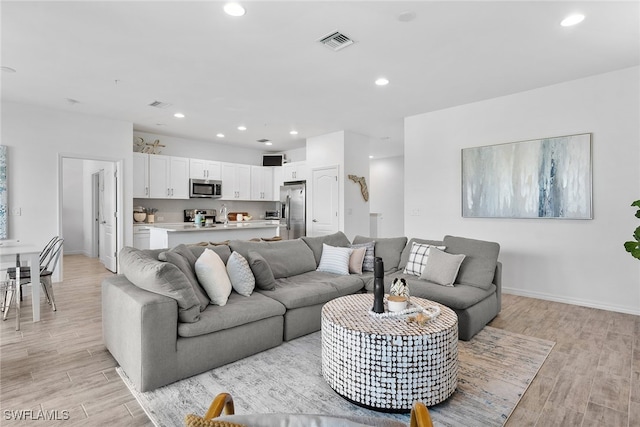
pixel 171 235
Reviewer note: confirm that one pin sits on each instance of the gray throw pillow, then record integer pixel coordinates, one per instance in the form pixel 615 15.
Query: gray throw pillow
pixel 367 264
pixel 240 274
pixel 162 278
pixel 182 257
pixel 261 271
pixel 388 248
pixel 441 268
pixel 223 251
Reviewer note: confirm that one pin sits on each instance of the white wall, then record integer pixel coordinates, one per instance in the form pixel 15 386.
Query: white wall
pixel 575 261
pixel 386 192
pixel 356 162
pixel 73 207
pixel 36 137
pixel 206 150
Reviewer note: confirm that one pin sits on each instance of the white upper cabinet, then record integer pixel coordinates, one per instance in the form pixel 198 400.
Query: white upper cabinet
pixel 168 177
pixel 262 183
pixel 294 171
pixel 140 175
pixel 204 169
pixel 236 181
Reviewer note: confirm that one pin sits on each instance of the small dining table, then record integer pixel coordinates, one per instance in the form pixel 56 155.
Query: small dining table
pixel 32 254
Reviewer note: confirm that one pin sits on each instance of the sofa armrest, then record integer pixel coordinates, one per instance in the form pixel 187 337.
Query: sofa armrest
pixel 497 280
pixel 140 329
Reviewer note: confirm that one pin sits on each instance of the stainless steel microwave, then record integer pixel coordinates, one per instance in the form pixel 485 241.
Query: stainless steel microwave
pixel 205 188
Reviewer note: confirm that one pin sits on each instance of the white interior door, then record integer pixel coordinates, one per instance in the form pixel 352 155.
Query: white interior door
pixel 324 206
pixel 107 217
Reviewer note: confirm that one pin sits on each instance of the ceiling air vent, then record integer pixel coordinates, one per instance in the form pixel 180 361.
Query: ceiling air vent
pixel 263 140
pixel 336 41
pixel 158 104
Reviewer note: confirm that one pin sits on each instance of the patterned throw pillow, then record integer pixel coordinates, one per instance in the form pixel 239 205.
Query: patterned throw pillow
pixel 240 274
pixel 369 258
pixel 418 258
pixel 335 260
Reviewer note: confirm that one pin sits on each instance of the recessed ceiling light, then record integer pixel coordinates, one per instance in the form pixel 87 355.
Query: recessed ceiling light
pixel 371 157
pixel 268 143
pixel 572 20
pixel 242 128
pixel 220 135
pixel 293 132
pixel 382 81
pixel 234 9
pixel 179 115
pixel 8 69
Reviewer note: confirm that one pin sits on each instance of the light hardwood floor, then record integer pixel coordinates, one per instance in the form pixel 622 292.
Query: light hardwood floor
pixel 591 378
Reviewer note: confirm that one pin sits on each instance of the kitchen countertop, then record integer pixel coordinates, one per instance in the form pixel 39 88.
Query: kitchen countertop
pixel 190 227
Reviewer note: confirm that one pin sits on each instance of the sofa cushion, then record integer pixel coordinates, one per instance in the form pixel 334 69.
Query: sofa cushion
pixel 212 275
pixel 261 271
pixel 162 278
pixel 240 274
pixel 442 268
pixel 286 258
pixel 389 249
pixel 304 290
pixel 239 310
pixel 459 297
pixel 367 263
pixel 315 243
pixel 335 260
pixel 223 251
pixel 182 257
pixel 407 249
pixel 356 260
pixel 418 258
pixel 479 265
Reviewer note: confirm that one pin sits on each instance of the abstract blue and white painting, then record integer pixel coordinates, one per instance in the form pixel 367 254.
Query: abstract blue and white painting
pixel 3 192
pixel 542 178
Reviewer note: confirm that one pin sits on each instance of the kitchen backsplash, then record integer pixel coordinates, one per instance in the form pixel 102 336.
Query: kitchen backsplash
pixel 173 210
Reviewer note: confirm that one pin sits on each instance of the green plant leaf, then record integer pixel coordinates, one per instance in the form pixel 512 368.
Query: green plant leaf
pixel 636 234
pixel 633 248
pixel 636 203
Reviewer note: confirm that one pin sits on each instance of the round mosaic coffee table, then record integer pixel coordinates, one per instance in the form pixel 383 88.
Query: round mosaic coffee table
pixel 387 364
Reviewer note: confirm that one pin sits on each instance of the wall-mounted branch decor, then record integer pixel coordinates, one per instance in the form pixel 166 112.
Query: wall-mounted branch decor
pixel 542 178
pixel 363 186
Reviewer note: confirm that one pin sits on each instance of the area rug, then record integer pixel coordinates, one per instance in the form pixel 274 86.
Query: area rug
pixel 495 369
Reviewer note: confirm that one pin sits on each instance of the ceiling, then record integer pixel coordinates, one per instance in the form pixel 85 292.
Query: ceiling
pixel 267 71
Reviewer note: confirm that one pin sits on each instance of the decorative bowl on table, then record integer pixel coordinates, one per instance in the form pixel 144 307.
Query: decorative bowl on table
pixel 139 216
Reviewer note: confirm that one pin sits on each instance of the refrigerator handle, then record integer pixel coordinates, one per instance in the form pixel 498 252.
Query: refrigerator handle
pixel 288 216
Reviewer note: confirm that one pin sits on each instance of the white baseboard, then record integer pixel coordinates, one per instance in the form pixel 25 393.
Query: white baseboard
pixel 572 301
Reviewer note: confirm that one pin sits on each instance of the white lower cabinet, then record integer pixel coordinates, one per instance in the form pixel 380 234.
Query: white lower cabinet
pixel 141 236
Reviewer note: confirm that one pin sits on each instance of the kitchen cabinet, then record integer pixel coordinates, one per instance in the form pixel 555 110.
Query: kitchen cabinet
pixel 204 169
pixel 236 181
pixel 262 183
pixel 140 176
pixel 294 171
pixel 278 180
pixel 168 177
pixel 141 236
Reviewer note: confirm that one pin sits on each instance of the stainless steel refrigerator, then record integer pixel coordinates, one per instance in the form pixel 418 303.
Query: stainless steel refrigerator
pixel 293 210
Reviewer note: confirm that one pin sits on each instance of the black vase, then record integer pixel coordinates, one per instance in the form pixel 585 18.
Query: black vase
pixel 378 286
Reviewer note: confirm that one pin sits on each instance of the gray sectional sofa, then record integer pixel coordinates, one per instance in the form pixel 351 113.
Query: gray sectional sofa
pixel 161 330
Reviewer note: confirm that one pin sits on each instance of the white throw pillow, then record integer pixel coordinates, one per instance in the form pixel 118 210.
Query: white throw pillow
pixel 212 275
pixel 418 258
pixel 240 274
pixel 335 260
pixel 442 268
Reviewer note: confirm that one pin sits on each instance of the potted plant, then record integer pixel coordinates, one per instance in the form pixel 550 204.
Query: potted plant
pixel 634 247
